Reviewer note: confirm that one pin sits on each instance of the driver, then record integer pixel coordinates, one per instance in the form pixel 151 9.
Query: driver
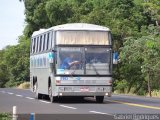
pixel 68 62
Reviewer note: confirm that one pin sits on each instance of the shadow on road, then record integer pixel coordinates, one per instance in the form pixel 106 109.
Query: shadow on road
pixel 75 100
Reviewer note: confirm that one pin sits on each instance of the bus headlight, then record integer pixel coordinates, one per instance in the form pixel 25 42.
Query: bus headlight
pixel 106 94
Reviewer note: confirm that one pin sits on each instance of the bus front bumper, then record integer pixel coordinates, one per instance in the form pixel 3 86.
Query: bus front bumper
pixel 84 90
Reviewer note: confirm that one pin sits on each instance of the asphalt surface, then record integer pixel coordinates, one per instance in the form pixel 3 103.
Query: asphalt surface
pixel 115 107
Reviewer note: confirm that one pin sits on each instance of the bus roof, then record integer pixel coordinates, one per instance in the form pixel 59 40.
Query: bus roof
pixel 73 26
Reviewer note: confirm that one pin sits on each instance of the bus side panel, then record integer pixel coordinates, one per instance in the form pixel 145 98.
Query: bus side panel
pixel 41 72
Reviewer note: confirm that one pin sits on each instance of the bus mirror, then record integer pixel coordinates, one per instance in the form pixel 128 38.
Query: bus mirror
pixel 54 51
pixel 115 58
pixel 51 57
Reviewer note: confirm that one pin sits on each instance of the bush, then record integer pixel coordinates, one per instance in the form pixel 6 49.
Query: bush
pixel 155 93
pixel 25 85
pixel 121 86
pixel 141 92
pixel 5 116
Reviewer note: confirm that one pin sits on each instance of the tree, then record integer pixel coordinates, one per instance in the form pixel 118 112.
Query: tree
pixel 15 63
pixel 152 9
pixel 58 11
pixel 143 52
pixel 3 70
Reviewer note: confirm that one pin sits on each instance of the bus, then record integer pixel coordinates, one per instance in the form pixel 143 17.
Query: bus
pixel 88 74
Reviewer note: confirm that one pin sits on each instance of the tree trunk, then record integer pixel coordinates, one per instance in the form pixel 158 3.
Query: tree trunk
pixel 130 86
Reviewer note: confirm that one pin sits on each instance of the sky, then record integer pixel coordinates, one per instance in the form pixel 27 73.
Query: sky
pixel 11 22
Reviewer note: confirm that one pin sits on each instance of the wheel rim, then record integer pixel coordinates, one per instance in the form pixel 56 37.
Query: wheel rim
pixel 50 93
pixel 35 88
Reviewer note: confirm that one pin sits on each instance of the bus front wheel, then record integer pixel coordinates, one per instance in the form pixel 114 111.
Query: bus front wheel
pixel 99 99
pixel 51 97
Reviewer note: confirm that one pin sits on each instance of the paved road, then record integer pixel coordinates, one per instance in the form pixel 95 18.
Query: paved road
pixel 113 108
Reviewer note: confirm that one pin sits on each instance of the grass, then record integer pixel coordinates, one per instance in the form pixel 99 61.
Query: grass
pixel 25 85
pixel 155 93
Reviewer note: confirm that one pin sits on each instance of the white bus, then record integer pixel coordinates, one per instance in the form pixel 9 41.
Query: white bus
pixel 89 71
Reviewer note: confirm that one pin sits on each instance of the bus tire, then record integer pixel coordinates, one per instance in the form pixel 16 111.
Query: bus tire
pixel 51 97
pixel 34 84
pixel 99 99
pixel 35 90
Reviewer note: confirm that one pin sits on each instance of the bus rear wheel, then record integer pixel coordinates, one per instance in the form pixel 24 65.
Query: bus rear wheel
pixel 99 99
pixel 35 90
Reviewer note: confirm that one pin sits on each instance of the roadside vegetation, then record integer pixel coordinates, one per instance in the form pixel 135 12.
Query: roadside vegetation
pixel 136 36
pixel 5 116
pixel 25 85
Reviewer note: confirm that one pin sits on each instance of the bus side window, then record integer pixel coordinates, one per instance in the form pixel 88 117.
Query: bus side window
pixel 40 44
pixel 44 42
pixel 33 45
pixel 47 45
pixel 50 42
pixel 37 41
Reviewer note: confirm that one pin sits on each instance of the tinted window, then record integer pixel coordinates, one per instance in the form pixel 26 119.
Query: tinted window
pixel 31 46
pixel 37 44
pixel 44 41
pixel 40 44
pixel 47 45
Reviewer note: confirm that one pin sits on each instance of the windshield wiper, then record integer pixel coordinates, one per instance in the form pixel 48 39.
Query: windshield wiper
pixel 72 73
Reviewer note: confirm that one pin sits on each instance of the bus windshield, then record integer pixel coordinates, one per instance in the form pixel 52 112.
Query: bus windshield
pixel 97 61
pixel 83 61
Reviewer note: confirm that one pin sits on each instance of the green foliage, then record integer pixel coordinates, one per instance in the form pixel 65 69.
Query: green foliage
pixel 155 93
pixel 143 53
pixel 5 116
pixel 58 11
pixel 152 8
pixel 3 70
pixel 15 64
pixel 121 86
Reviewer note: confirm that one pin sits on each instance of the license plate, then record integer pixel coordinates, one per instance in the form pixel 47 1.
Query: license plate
pixel 84 89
